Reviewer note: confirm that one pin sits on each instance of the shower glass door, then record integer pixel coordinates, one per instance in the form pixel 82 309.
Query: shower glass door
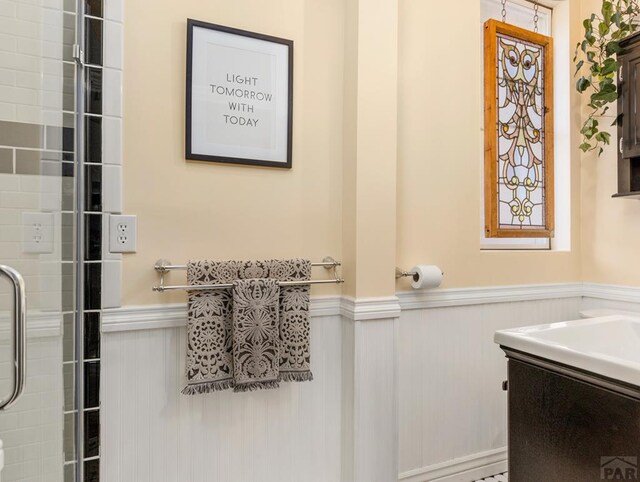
pixel 37 236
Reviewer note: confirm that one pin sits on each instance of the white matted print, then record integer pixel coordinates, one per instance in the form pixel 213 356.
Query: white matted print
pixel 239 96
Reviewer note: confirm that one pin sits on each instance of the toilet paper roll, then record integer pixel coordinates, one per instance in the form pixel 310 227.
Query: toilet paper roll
pixel 426 276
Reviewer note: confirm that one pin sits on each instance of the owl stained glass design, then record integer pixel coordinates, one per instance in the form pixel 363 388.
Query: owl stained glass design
pixel 520 133
pixel 520 126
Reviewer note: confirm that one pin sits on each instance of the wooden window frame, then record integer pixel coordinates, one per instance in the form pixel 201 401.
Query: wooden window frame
pixel 492 229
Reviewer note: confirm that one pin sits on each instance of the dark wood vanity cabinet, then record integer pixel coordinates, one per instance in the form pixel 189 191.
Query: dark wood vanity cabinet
pixel 569 426
pixel 628 147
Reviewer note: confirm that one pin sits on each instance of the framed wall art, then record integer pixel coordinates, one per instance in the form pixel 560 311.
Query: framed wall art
pixel 239 101
pixel 518 132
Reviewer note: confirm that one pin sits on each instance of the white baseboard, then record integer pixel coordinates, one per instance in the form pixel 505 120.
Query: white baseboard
pixel 463 469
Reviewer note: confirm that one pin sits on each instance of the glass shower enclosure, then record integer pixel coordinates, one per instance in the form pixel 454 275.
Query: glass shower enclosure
pixel 41 182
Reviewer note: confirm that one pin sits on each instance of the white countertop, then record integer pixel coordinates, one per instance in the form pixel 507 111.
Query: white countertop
pixel 607 345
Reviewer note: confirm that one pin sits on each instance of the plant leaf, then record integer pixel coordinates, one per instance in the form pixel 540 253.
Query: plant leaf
pixel 582 84
pixel 604 96
pixel 613 47
pixel 609 66
pixel 603 137
pixel 603 29
pixel 616 18
pixel 607 10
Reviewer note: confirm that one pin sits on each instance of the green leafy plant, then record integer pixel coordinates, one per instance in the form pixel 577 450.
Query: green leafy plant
pixel 596 62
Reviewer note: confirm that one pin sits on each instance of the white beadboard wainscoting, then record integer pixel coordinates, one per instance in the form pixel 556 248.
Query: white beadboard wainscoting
pixel 370 396
pixel 452 407
pixel 447 415
pixel 152 433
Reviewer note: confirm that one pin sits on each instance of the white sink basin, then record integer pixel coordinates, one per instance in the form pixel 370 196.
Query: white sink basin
pixel 608 345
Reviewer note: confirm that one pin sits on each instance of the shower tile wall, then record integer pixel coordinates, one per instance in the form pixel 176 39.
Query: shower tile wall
pixel 103 173
pixel 103 178
pixel 93 214
pixel 37 85
pixel 37 105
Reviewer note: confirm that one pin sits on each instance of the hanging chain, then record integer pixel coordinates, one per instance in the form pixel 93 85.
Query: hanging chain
pixel 504 10
pixel 535 15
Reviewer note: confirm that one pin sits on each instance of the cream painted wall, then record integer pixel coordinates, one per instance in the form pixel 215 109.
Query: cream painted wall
pixel 194 210
pixel 610 227
pixel 370 147
pixel 440 156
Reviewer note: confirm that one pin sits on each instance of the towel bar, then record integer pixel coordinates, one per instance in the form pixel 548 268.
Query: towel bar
pixel 162 266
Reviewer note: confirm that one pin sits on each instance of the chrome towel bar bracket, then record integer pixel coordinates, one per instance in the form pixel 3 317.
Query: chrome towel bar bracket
pixel 163 266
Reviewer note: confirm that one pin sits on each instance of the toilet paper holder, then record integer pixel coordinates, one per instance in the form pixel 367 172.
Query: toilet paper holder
pixel 422 276
pixel 400 273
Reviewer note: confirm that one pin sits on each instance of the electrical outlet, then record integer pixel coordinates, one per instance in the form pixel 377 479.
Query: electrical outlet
pixel 122 234
pixel 37 233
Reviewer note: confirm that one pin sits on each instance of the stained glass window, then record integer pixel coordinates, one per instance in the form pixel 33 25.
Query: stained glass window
pixel 518 132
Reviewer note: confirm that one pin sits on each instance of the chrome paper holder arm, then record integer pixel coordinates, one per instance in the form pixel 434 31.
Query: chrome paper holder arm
pixel 400 273
pixel 20 335
pixel 163 266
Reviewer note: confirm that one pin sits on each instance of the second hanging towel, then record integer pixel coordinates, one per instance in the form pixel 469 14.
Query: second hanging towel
pixel 256 354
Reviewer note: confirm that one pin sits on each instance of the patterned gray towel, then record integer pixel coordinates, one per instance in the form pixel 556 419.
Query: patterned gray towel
pixel 209 342
pixel 210 356
pixel 295 358
pixel 256 355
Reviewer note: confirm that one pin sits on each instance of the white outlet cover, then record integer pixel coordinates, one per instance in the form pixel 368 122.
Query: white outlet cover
pixel 122 233
pixel 37 233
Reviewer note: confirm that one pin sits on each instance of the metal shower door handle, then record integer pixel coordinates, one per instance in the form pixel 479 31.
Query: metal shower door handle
pixel 20 335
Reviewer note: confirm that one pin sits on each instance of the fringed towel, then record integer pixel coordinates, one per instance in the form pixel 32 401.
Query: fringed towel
pixel 210 364
pixel 209 342
pixel 256 355
pixel 295 358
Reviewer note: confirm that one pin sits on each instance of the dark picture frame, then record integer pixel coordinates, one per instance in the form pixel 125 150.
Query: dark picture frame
pixel 258 136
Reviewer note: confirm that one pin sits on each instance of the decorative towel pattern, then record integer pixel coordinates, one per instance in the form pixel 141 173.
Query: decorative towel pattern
pixel 295 356
pixel 209 330
pixel 256 355
pixel 210 337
